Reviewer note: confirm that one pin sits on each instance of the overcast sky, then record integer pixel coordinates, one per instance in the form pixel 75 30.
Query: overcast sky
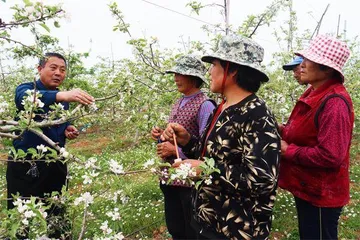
pixel 89 24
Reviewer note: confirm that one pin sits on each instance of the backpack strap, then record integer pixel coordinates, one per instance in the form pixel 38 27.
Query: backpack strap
pixel 322 105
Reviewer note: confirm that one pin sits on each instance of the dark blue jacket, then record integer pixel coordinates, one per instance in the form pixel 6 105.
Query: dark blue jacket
pixel 55 133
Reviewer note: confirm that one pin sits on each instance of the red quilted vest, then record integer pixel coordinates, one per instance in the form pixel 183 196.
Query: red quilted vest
pixel 323 187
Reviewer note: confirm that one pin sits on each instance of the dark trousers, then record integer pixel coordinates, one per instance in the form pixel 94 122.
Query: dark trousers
pixel 51 177
pixel 178 211
pixel 317 222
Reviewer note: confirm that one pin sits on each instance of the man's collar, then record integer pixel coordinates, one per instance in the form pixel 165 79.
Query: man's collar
pixel 41 86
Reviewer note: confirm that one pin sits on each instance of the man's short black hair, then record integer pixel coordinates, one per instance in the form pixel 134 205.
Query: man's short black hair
pixel 46 56
pixel 246 77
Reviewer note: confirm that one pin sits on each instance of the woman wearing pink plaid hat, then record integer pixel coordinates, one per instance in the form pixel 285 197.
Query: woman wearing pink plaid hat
pixel 316 141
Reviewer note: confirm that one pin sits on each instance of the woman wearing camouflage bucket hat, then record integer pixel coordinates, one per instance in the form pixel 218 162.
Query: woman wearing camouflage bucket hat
pixel 316 141
pixel 243 140
pixel 192 111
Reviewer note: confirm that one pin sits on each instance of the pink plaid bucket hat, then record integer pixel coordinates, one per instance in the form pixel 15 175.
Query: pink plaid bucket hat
pixel 328 51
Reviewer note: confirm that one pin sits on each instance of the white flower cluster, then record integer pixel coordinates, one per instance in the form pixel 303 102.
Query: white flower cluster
pixel 64 153
pixel 123 198
pixel 90 163
pixel 114 215
pixel 208 181
pixel 115 167
pixel 86 198
pixel 88 177
pixel 149 162
pixel 23 207
pixel 107 231
pixel 3 105
pixel 183 172
pixel 29 99
pixel 93 107
pixel 41 148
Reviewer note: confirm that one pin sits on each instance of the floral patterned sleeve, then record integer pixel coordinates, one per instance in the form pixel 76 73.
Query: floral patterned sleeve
pixel 253 167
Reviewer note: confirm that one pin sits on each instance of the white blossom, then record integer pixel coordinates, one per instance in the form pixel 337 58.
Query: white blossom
pixel 60 106
pixel 90 163
pixel 86 198
pixel 114 215
pixel 87 179
pixel 43 213
pixel 64 153
pixel 29 214
pixel 149 162
pixel 94 174
pixel 208 181
pixel 3 106
pixel 41 148
pixel 22 208
pixel 115 167
pixel 183 171
pixel 104 227
pixel 93 107
pixel 119 236
pixel 25 221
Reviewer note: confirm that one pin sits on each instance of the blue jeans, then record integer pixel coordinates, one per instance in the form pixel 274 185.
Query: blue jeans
pixel 317 222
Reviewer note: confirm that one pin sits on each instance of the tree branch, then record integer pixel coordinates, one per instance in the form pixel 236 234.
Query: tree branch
pixel 83 225
pixel 20 43
pixel 7 135
pixel 40 19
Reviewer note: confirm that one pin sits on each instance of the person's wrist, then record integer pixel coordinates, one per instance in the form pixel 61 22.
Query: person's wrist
pixel 60 97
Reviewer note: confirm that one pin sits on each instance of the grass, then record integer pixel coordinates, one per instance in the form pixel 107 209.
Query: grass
pixel 140 200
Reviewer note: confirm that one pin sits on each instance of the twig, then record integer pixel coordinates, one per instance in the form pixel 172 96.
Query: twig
pixel 7 135
pixel 20 43
pixel 8 122
pixel 40 19
pixel 106 98
pixel 257 25
pixel 83 225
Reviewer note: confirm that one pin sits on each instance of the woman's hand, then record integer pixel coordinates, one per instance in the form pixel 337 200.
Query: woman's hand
pixel 165 150
pixel 156 132
pixel 182 136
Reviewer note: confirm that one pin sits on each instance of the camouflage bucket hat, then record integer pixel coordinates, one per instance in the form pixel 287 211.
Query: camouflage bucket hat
pixel 189 65
pixel 242 51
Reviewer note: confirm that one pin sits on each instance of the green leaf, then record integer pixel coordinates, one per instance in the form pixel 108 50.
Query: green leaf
pixel 27 3
pixel 45 27
pixel 56 24
pixel 21 153
pixel 197 184
pixel 52 155
pixel 32 151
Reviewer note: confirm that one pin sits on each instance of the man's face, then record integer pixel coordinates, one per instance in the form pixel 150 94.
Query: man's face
pixel 297 74
pixel 53 73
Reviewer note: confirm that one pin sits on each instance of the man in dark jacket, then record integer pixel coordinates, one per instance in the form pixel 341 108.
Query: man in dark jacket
pixel 38 178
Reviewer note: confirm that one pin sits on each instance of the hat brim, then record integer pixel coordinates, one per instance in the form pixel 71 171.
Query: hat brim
pixel 262 76
pixel 202 78
pixel 308 54
pixel 289 67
